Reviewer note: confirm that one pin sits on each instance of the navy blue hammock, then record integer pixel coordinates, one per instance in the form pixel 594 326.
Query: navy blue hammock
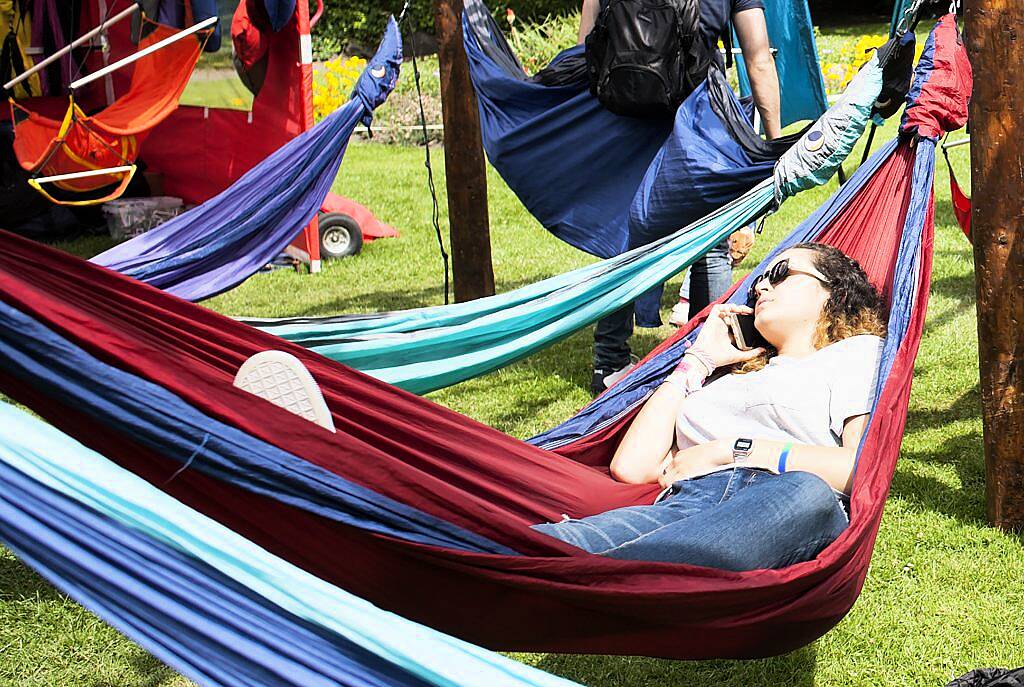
pixel 605 183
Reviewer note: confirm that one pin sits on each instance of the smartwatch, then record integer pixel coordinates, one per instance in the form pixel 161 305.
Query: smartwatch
pixel 741 450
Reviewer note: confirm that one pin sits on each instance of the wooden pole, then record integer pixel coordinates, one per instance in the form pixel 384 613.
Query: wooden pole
pixel 465 169
pixel 995 35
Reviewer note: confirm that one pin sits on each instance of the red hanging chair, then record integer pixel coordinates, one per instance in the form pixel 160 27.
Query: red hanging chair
pixel 84 153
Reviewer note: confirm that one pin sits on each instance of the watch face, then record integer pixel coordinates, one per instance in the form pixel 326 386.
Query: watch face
pixel 743 445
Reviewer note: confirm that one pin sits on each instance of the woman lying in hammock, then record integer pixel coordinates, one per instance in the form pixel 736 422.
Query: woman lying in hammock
pixel 754 465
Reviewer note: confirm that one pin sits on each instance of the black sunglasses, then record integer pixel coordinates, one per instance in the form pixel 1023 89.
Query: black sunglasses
pixel 777 274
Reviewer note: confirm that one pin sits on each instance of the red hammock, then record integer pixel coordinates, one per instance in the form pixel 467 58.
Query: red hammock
pixel 551 597
pixel 110 138
pixel 961 201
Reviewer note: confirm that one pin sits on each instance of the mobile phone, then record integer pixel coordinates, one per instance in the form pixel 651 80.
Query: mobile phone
pixel 744 334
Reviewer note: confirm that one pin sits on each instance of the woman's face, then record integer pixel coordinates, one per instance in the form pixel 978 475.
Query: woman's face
pixel 794 305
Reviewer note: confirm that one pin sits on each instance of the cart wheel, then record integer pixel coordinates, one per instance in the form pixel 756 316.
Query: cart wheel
pixel 340 236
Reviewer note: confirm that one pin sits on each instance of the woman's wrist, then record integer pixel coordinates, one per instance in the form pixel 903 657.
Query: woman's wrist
pixel 689 375
pixel 768 454
pixel 701 357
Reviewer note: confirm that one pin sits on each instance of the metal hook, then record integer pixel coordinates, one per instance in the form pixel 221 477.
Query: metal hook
pixel 904 24
pixel 405 8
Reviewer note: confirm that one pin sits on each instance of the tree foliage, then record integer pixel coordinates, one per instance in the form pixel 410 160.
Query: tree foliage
pixel 361 22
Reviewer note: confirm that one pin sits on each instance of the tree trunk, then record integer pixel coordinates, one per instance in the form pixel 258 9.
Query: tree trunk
pixel 994 31
pixel 465 170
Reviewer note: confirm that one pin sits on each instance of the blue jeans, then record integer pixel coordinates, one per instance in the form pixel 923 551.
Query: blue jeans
pixel 735 519
pixel 710 277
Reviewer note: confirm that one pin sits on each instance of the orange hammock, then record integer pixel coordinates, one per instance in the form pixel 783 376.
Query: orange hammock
pixel 109 139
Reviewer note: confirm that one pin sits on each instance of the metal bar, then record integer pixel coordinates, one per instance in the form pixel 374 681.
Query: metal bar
pixel 739 51
pixel 108 83
pixel 957 143
pixel 83 175
pixel 206 23
pixel 71 46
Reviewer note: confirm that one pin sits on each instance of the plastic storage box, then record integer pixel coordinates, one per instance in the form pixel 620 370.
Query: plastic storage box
pixel 128 217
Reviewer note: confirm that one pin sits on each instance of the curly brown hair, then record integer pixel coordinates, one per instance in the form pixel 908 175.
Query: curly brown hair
pixel 854 305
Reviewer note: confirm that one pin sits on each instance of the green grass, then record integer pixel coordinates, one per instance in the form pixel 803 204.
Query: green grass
pixel 220 88
pixel 944 593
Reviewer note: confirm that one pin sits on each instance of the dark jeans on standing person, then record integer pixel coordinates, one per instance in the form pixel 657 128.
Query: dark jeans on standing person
pixel 734 519
pixel 710 277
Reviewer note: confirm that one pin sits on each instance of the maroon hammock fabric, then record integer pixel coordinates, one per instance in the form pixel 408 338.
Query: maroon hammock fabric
pixel 961 203
pixel 552 598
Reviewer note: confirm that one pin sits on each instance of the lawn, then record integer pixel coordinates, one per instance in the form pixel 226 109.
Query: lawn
pixel 944 594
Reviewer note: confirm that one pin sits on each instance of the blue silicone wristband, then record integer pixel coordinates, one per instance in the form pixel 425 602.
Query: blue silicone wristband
pixel 783 456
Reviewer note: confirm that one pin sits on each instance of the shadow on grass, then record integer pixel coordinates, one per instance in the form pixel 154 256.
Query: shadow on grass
pixel 18 582
pixel 965 452
pixel 148 672
pixel 401 298
pixel 966 503
pixel 796 669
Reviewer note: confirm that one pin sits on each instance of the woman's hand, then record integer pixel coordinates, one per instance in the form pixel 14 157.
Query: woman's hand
pixel 696 460
pixel 714 341
pixel 740 243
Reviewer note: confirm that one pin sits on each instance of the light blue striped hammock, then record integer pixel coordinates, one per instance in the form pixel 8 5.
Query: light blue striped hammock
pixel 202 598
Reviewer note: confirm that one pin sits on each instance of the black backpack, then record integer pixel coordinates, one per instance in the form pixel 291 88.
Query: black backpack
pixel 645 56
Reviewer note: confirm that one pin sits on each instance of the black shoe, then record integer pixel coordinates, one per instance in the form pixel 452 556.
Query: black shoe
pixel 605 377
pixel 597 386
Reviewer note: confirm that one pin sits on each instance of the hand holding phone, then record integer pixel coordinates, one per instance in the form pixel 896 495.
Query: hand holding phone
pixel 743 332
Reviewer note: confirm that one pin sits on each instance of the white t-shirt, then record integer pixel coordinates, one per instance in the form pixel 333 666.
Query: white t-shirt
pixel 803 400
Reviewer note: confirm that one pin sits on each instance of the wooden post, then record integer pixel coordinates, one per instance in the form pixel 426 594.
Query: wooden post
pixel 995 34
pixel 465 169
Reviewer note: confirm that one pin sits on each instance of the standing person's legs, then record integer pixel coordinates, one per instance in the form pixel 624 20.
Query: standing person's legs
pixel 611 346
pixel 710 277
pixel 680 314
pixel 738 519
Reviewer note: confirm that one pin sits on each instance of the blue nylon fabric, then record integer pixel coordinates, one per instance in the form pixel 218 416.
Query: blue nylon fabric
pixel 204 9
pixel 801 85
pixel 574 165
pixel 202 598
pixel 221 243
pixel 279 12
pixel 165 423
pixel 636 387
pixel 922 73
pixel 904 295
pixel 685 181
pixel 215 633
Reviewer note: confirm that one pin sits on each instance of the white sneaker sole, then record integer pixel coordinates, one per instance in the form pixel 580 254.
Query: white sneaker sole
pixel 282 379
pixel 680 314
pixel 614 377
